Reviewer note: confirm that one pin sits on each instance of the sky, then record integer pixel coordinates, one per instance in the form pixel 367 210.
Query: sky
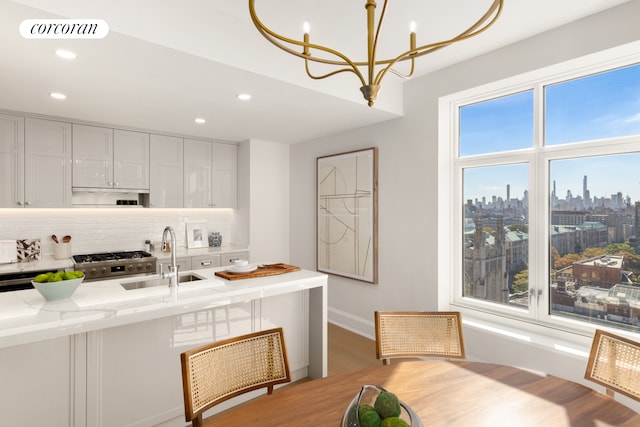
pixel 600 106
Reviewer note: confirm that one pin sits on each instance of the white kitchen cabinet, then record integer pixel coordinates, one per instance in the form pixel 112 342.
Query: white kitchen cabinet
pixel 47 164
pixel 131 159
pixel 184 264
pixel 225 176
pixel 166 171
pixel 205 261
pixel 35 163
pixel 11 161
pixel 104 158
pixel 138 378
pixel 210 174
pixel 227 258
pixel 38 384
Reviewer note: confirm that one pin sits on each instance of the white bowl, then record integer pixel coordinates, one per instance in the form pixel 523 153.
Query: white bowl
pixel 240 263
pixel 52 291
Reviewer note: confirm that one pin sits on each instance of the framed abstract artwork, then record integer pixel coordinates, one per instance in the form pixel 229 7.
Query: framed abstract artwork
pixel 347 214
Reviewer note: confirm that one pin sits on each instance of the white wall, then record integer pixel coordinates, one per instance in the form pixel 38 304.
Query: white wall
pixel 269 201
pixel 408 223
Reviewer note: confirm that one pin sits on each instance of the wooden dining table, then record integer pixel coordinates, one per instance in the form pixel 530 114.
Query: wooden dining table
pixel 441 393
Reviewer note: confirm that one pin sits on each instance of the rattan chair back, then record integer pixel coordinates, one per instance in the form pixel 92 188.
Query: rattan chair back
pixel 418 334
pixel 219 371
pixel 614 362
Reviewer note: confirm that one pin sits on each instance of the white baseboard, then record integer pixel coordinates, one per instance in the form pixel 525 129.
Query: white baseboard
pixel 355 324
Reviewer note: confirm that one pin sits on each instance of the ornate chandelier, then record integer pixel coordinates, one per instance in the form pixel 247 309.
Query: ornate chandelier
pixel 375 69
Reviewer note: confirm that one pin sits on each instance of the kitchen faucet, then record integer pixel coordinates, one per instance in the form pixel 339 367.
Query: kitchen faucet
pixel 173 268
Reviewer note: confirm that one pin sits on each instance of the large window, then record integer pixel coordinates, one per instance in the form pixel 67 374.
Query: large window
pixel 545 197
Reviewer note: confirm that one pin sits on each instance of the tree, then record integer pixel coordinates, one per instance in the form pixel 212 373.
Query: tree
pixel 566 261
pixel 521 281
pixel 519 227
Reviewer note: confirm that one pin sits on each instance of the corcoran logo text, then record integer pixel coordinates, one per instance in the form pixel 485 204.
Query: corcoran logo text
pixel 64 28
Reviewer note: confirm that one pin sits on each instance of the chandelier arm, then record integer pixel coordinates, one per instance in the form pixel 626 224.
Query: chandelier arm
pixel 432 47
pixel 324 76
pixel 398 73
pixel 273 37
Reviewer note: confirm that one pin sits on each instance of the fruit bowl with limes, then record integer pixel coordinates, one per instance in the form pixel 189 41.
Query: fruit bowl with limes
pixel 374 406
pixel 59 285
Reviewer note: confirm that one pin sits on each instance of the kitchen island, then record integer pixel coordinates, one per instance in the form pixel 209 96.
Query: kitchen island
pixel 110 356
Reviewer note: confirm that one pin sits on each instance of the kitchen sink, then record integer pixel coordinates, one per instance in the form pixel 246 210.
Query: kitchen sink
pixel 182 278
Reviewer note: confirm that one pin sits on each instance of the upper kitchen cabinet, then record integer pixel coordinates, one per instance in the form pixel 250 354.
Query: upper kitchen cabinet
pixel 225 176
pixel 11 161
pixel 166 170
pixel 35 157
pixel 210 174
pixel 108 159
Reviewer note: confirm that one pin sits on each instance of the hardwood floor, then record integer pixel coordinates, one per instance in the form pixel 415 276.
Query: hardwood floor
pixel 348 351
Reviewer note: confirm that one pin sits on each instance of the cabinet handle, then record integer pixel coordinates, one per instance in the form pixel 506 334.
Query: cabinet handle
pixel 205 263
pixel 19 203
pixel 27 203
pixel 116 184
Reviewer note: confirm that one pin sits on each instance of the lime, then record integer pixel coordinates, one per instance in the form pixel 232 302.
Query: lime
pixel 41 278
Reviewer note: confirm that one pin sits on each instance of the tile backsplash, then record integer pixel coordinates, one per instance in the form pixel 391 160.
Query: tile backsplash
pixel 109 229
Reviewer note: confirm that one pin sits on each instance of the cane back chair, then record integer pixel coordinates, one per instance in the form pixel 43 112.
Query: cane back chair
pixel 224 369
pixel 614 362
pixel 418 334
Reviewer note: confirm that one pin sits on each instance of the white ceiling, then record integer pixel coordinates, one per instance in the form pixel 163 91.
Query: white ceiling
pixel 165 62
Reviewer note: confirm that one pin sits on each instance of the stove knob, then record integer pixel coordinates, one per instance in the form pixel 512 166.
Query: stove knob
pixel 103 270
pixel 130 268
pixel 140 267
pixel 93 272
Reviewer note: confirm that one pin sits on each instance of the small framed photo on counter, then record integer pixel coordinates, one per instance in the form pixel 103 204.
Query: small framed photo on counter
pixel 197 236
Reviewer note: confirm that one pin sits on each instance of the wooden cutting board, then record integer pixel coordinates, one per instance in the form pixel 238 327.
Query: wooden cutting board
pixel 265 270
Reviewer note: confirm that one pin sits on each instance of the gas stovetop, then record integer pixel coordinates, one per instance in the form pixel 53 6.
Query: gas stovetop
pixel 107 265
pixel 110 256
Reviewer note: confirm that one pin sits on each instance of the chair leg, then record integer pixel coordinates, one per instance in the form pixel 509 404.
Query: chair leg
pixel 197 421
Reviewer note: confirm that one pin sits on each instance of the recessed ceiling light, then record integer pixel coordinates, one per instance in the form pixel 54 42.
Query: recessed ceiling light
pixel 244 96
pixel 200 120
pixel 66 54
pixel 58 95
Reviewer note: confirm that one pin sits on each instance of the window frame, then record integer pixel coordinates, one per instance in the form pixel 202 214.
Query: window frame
pixel 450 191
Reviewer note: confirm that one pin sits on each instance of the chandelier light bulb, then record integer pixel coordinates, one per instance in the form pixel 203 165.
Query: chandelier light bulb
pixel 412 26
pixel 306 27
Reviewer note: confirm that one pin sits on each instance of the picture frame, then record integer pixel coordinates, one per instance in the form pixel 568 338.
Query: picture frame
pixel 197 236
pixel 347 214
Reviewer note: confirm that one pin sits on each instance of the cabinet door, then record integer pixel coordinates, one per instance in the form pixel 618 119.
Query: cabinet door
pixel 166 171
pixel 130 160
pixel 47 166
pixel 92 157
pixel 197 174
pixel 225 176
pixel 11 161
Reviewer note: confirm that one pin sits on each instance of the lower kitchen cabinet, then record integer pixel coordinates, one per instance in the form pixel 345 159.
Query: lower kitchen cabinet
pixel 137 378
pixel 184 264
pixel 38 384
pixel 130 375
pixel 205 261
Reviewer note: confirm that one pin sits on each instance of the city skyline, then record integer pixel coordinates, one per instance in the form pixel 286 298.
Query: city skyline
pixel 603 172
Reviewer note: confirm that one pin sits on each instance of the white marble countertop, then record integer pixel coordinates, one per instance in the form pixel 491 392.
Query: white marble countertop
pixel 26 317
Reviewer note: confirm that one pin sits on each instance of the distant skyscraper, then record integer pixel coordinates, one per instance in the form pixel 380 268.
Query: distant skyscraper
pixel 508 193
pixel 586 197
